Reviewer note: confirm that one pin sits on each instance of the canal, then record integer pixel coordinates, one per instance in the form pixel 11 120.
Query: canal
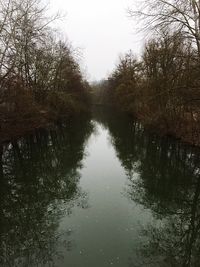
pixel 99 192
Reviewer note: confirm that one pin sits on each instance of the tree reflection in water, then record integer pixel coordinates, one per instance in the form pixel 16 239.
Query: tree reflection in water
pixel 39 183
pixel 164 177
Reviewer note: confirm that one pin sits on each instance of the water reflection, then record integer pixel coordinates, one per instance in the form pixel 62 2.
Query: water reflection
pixel 163 177
pixel 39 188
pixel 39 183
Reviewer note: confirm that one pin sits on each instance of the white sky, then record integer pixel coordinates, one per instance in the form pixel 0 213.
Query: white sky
pixel 102 29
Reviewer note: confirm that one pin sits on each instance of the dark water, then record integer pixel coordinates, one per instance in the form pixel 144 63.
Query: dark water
pixel 99 193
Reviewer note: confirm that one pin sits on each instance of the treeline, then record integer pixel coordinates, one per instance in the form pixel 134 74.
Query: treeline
pixel 162 88
pixel 40 76
pixel 99 93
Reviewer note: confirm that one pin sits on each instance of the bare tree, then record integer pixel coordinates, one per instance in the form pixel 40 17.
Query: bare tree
pixel 38 71
pixel 24 28
pixel 179 15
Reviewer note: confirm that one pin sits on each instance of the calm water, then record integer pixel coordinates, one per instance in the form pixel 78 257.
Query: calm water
pixel 99 192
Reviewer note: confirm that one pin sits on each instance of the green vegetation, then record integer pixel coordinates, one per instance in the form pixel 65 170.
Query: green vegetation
pixel 40 77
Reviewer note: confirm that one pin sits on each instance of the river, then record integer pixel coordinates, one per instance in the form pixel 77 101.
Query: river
pixel 99 192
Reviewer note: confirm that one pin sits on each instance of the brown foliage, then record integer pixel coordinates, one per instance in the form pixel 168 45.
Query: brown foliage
pixel 161 90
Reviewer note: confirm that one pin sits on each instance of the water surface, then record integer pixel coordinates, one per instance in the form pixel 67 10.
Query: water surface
pixel 99 192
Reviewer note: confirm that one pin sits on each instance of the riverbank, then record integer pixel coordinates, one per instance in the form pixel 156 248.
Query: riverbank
pixel 185 129
pixel 41 81
pixel 19 124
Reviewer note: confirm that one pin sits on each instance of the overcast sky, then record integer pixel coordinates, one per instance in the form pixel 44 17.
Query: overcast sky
pixel 102 29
